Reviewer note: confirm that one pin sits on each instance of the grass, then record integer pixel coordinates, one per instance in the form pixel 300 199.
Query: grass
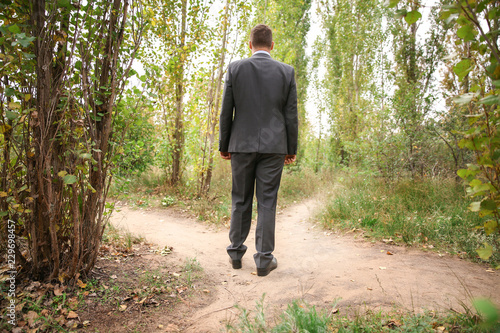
pixel 302 317
pixel 431 213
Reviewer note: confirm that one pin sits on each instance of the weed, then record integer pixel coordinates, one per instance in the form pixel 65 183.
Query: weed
pixel 251 322
pixel 299 317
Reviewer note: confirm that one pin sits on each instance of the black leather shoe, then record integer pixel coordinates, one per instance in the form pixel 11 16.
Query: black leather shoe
pixel 236 263
pixel 264 271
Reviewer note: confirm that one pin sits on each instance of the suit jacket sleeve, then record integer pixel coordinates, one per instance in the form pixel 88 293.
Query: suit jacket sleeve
pixel 291 118
pixel 226 114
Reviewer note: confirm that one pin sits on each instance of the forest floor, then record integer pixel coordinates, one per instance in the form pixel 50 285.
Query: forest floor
pixel 330 270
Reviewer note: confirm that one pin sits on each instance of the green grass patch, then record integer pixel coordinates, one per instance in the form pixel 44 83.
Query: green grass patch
pixel 302 317
pixel 431 213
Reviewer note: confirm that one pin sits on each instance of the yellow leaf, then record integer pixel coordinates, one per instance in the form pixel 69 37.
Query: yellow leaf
pixel 3 194
pixel 490 227
pixel 62 173
pixel 27 97
pixel 5 128
pixel 14 105
pixel 81 284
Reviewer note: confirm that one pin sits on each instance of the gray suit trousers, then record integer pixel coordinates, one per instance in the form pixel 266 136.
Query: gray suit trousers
pixel 262 173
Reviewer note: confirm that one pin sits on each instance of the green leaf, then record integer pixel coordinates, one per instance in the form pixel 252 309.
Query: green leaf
pixel 488 311
pixel 392 3
pixel 69 179
pixel 464 98
pixel 2 214
pixel 490 100
pixel 462 68
pixel 24 40
pixel 463 173
pixel 14 29
pixel 11 115
pixel 9 92
pixel 485 252
pixel 466 33
pixel 63 3
pixel 400 13
pixel 488 205
pixel 412 17
pixel 86 156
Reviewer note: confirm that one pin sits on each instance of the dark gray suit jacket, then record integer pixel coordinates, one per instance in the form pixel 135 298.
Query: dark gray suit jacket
pixel 259 107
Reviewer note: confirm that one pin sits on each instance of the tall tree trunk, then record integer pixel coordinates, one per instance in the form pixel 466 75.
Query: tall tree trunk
pixel 178 139
pixel 214 105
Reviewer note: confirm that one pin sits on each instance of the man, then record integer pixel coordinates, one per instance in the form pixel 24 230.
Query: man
pixel 258 133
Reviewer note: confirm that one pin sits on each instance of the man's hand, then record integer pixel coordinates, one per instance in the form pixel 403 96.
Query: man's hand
pixel 289 159
pixel 225 155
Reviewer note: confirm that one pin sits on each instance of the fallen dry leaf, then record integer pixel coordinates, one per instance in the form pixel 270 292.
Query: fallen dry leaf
pixel 390 253
pixel 58 290
pixel 32 316
pixel 114 276
pixel 123 307
pixel 72 315
pixel 20 307
pixel 393 323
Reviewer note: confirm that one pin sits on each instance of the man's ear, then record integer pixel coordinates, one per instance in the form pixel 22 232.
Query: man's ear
pixel 250 45
pixel 272 45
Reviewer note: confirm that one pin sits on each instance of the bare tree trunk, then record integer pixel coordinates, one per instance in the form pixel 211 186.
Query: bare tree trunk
pixel 178 139
pixel 214 105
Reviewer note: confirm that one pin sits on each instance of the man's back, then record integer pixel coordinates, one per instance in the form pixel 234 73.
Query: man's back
pixel 263 95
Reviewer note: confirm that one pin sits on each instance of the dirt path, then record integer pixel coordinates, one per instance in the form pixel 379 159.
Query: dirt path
pixel 313 265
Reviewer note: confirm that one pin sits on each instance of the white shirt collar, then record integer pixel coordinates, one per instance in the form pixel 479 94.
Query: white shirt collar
pixel 262 51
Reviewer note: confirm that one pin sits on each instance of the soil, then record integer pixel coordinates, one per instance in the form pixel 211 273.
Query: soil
pixel 326 269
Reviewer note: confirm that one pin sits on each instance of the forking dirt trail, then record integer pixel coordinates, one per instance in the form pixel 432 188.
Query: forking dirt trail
pixel 319 267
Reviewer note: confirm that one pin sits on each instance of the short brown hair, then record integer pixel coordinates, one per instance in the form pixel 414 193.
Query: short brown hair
pixel 261 36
